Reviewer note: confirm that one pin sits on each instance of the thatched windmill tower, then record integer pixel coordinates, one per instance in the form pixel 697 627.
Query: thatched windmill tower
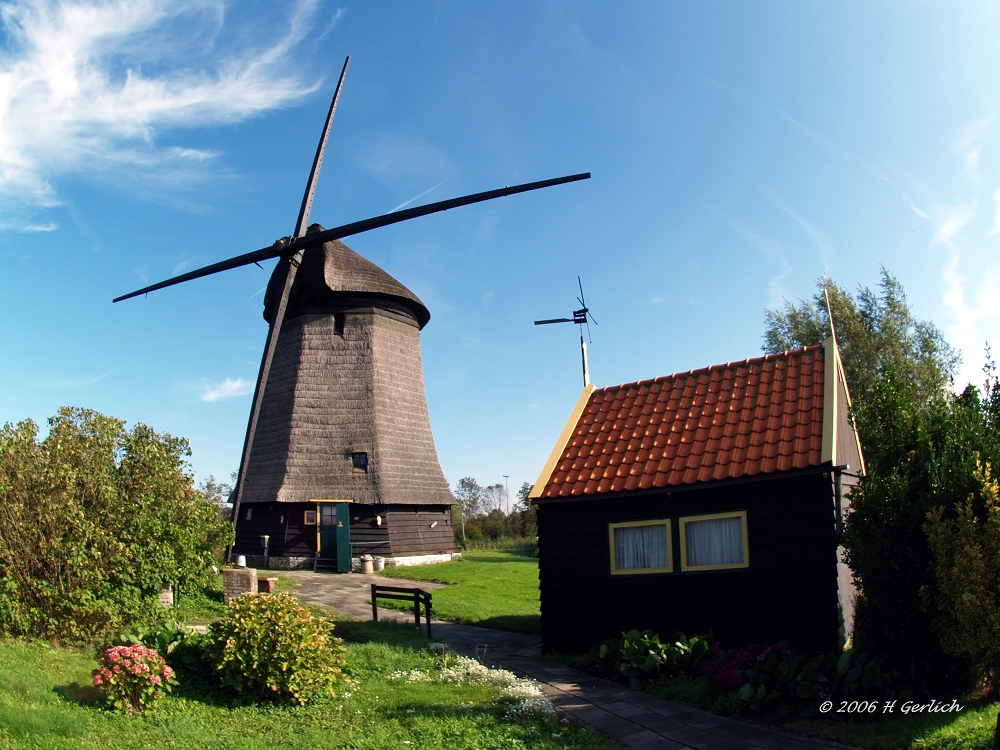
pixel 344 417
pixel 338 459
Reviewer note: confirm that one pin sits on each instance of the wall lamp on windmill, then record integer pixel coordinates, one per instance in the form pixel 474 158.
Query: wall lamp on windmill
pixel 289 251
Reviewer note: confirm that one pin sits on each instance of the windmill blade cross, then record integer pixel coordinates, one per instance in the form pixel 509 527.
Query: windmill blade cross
pixel 554 320
pixel 286 247
pixel 274 330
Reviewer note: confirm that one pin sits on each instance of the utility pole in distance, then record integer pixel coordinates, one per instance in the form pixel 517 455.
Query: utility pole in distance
pixel 506 492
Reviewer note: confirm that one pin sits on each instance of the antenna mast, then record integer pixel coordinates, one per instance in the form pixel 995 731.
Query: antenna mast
pixel 580 317
pixel 829 314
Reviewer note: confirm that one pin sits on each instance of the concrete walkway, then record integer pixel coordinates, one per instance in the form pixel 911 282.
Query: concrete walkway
pixel 632 718
pixel 349 593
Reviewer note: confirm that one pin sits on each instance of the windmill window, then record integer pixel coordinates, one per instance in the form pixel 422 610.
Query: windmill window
pixel 339 319
pixel 360 463
pixel 714 542
pixel 249 513
pixel 640 547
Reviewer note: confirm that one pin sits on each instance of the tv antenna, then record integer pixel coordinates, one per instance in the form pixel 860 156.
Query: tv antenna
pixel 290 251
pixel 581 317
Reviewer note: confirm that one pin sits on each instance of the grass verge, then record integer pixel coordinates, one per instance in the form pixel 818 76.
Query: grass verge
pixel 489 588
pixel 46 702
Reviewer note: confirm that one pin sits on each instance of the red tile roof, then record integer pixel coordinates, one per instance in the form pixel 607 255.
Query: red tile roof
pixel 726 421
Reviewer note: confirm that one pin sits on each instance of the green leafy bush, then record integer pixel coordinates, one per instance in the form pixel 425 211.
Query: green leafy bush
pixel 966 548
pixel 780 681
pixel 181 646
pixel 95 518
pixel 268 646
pixel 777 679
pixel 763 678
pixel 640 658
pixel 132 677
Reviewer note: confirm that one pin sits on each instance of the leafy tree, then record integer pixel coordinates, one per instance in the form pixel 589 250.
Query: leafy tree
pixel 95 518
pixel 469 494
pixel 494 498
pixel 966 551
pixel 215 491
pixel 920 442
pixel 875 331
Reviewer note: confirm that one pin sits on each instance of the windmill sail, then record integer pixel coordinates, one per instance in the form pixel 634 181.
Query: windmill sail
pixel 307 245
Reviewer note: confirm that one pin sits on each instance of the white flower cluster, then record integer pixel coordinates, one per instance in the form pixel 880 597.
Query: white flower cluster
pixel 414 675
pixel 465 671
pixel 530 708
pixel 527 701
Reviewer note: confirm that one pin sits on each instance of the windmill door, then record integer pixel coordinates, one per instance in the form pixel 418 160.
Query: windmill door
pixel 335 536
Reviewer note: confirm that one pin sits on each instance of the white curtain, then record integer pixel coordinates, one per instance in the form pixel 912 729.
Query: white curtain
pixel 638 547
pixel 715 541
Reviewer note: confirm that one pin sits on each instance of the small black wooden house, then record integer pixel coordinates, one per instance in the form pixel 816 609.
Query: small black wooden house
pixel 707 500
pixel 344 462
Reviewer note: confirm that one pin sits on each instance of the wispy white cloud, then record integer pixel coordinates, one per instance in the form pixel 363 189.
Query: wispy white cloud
pixel 996 213
pixel 873 169
pixel 952 220
pixel 228 388
pixel 74 382
pixel 87 87
pixel 818 236
pixel 332 24
pixel 970 278
pixel 396 156
pixel 968 145
pixel 416 197
pixel 773 252
pixel 659 299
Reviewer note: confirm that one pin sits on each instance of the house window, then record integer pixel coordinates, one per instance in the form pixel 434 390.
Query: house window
pixel 640 547
pixel 249 513
pixel 714 542
pixel 360 462
pixel 310 519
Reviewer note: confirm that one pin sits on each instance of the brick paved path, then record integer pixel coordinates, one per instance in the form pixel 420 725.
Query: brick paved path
pixel 635 719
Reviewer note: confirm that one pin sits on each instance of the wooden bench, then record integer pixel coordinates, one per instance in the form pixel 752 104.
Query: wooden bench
pixel 417 596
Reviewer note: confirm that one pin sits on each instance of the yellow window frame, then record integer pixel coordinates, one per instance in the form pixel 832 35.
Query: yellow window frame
pixel 641 571
pixel 685 520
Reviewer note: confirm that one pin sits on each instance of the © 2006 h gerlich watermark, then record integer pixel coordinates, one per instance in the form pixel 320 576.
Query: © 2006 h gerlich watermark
pixel 890 707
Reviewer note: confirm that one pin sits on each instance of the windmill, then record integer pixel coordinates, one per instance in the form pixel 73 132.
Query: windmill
pixel 580 317
pixel 326 284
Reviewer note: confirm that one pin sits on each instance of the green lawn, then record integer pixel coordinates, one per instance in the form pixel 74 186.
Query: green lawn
pixel 491 588
pixel 46 701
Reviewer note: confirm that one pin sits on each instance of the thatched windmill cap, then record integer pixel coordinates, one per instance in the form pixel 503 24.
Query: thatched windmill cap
pixel 334 278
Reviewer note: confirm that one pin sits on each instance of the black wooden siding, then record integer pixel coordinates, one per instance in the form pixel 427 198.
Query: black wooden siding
pixel 788 592
pixel 406 528
pixel 411 533
pixel 285 522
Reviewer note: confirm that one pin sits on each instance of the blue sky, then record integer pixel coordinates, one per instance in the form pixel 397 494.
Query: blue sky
pixel 739 151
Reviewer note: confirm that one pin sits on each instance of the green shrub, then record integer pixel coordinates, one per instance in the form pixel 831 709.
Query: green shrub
pixel 183 648
pixel 641 658
pixel 780 681
pixel 95 518
pixel 966 548
pixel 268 646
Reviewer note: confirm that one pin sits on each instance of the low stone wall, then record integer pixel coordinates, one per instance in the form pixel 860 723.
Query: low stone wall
pixel 403 562
pixel 281 563
pixel 238 581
